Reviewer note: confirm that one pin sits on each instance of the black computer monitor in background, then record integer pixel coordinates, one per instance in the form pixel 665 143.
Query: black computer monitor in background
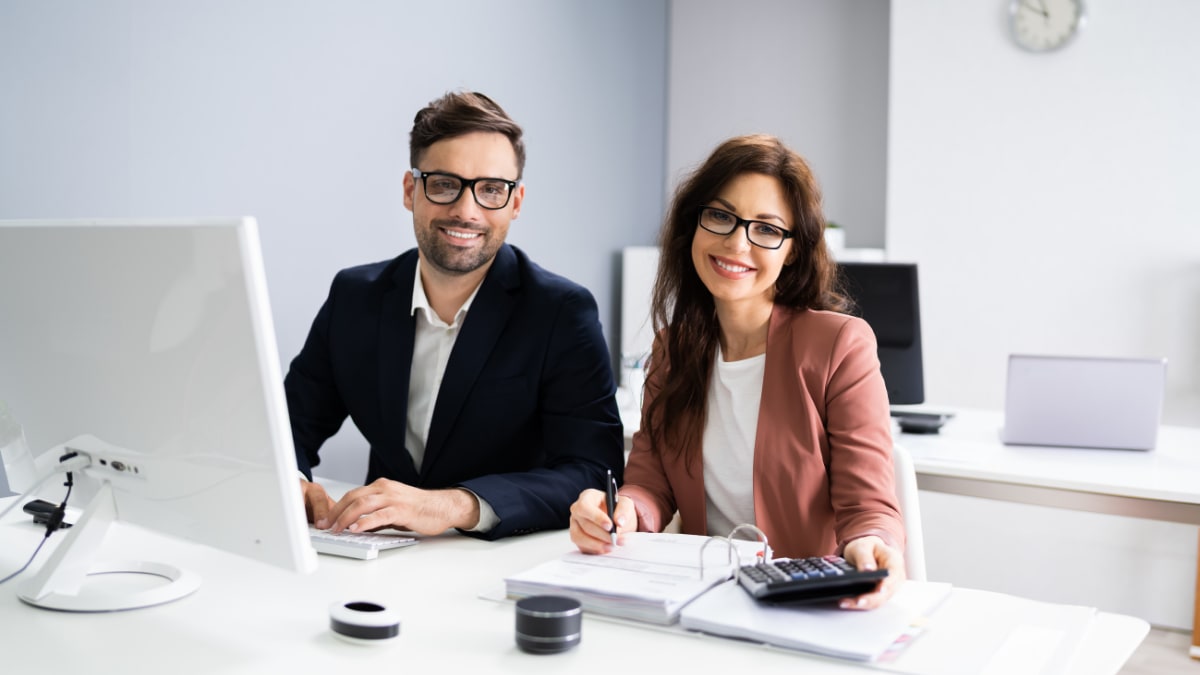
pixel 885 295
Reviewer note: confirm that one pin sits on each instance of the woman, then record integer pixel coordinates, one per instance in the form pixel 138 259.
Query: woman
pixel 763 402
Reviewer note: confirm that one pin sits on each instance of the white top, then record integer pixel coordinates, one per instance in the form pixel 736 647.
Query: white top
pixel 734 395
pixel 432 343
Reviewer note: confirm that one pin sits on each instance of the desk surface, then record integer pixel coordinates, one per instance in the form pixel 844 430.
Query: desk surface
pixel 969 447
pixel 250 618
pixel 968 458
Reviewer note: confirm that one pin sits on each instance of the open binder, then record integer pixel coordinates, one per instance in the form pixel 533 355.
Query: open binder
pixel 822 629
pixel 650 578
pixel 655 580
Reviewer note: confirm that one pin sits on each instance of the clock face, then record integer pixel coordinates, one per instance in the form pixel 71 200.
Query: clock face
pixel 1045 25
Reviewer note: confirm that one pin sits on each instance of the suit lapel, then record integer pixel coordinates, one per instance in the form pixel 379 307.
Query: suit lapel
pixel 481 329
pixel 397 328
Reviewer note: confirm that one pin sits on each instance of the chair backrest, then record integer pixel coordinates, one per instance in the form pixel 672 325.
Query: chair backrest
pixel 910 509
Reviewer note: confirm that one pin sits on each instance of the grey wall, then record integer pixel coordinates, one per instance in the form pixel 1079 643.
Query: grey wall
pixel 813 72
pixel 298 113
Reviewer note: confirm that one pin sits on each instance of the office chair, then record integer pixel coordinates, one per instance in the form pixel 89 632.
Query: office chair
pixel 910 509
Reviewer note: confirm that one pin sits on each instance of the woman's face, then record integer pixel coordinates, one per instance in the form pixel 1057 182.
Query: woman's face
pixel 734 270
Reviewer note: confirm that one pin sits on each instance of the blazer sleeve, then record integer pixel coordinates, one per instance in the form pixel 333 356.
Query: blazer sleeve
pixel 315 408
pixel 861 473
pixel 646 478
pixel 581 434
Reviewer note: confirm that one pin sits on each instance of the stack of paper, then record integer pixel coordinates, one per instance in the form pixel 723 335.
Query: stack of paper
pixel 823 629
pixel 650 578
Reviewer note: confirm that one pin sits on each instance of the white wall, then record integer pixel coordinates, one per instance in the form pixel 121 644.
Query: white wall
pixel 1049 200
pixel 813 72
pixel 298 113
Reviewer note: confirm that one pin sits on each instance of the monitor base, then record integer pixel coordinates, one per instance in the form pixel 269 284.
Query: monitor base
pixel 72 580
pixel 132 585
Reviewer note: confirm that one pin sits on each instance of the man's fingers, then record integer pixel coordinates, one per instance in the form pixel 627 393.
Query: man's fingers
pixel 317 503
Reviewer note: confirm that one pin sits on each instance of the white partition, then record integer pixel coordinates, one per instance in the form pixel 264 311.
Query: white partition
pixel 639 264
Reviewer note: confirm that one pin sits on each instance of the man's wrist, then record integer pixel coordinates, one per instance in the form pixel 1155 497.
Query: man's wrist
pixel 465 507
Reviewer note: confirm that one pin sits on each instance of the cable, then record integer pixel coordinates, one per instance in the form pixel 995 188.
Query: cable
pixel 72 460
pixel 27 562
pixel 53 524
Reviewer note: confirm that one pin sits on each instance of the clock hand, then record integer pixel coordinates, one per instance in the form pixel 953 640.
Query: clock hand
pixel 1025 4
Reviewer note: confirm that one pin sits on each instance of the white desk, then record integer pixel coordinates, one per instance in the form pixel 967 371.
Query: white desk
pixel 250 618
pixel 967 458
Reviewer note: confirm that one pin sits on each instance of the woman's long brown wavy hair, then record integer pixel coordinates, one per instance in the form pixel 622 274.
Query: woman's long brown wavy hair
pixel 682 309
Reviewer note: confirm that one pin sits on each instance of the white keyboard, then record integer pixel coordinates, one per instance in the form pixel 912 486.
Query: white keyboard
pixel 364 546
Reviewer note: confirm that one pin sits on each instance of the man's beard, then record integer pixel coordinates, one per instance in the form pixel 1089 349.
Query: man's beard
pixel 452 259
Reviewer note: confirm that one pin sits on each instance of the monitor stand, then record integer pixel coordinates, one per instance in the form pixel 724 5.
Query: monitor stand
pixel 70 581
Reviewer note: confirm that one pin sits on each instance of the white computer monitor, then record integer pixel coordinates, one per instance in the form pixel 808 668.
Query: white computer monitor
pixel 148 348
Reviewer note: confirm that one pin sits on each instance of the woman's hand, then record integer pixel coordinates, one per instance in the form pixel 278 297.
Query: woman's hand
pixel 871 553
pixel 590 527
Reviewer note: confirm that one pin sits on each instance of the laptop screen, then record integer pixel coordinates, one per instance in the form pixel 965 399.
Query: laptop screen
pixel 1084 401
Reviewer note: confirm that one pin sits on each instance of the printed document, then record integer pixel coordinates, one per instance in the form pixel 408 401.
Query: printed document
pixel 649 578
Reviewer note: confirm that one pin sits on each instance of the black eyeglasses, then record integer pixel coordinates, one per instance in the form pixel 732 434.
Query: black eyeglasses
pixel 762 235
pixel 446 188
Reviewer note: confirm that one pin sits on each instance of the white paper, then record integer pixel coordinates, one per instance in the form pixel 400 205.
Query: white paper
pixel 676 555
pixel 649 578
pixel 823 629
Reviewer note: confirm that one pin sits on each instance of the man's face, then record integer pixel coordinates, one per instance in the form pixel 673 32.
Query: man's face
pixel 462 237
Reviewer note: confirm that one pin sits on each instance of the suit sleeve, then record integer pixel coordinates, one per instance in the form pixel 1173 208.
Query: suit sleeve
pixel 315 408
pixel 861 477
pixel 646 480
pixel 580 429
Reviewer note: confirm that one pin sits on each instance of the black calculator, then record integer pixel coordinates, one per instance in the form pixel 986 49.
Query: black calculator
pixel 806 580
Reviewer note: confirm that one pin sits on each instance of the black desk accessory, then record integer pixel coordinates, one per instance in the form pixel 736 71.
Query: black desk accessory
pixel 912 422
pixel 41 510
pixel 548 624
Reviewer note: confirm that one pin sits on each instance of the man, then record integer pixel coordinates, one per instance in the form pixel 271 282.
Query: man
pixel 481 381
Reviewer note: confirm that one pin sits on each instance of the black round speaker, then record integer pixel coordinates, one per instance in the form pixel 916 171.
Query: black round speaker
pixel 548 624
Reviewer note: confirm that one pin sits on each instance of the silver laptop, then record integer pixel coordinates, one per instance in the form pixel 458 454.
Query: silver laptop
pixel 1084 401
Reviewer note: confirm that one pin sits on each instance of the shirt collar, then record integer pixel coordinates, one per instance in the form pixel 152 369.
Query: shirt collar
pixel 420 301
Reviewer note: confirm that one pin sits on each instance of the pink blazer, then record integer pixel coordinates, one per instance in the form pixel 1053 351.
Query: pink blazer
pixel 822 452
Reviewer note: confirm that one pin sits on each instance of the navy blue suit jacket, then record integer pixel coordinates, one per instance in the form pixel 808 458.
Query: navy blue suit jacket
pixel 526 416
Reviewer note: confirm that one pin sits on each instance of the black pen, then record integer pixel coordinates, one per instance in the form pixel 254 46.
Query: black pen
pixel 611 499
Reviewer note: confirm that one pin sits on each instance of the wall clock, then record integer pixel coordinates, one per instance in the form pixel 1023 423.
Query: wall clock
pixel 1045 25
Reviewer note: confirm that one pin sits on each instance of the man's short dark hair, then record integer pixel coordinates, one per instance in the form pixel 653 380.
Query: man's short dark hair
pixel 460 113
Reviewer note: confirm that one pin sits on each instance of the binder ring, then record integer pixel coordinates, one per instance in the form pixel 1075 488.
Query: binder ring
pixel 732 550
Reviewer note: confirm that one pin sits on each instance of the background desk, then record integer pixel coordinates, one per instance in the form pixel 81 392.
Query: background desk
pixel 250 618
pixel 967 458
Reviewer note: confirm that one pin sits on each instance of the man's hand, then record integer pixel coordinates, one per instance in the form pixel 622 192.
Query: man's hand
pixel 317 502
pixel 387 503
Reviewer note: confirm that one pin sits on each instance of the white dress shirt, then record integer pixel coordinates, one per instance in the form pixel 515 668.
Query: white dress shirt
pixel 432 343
